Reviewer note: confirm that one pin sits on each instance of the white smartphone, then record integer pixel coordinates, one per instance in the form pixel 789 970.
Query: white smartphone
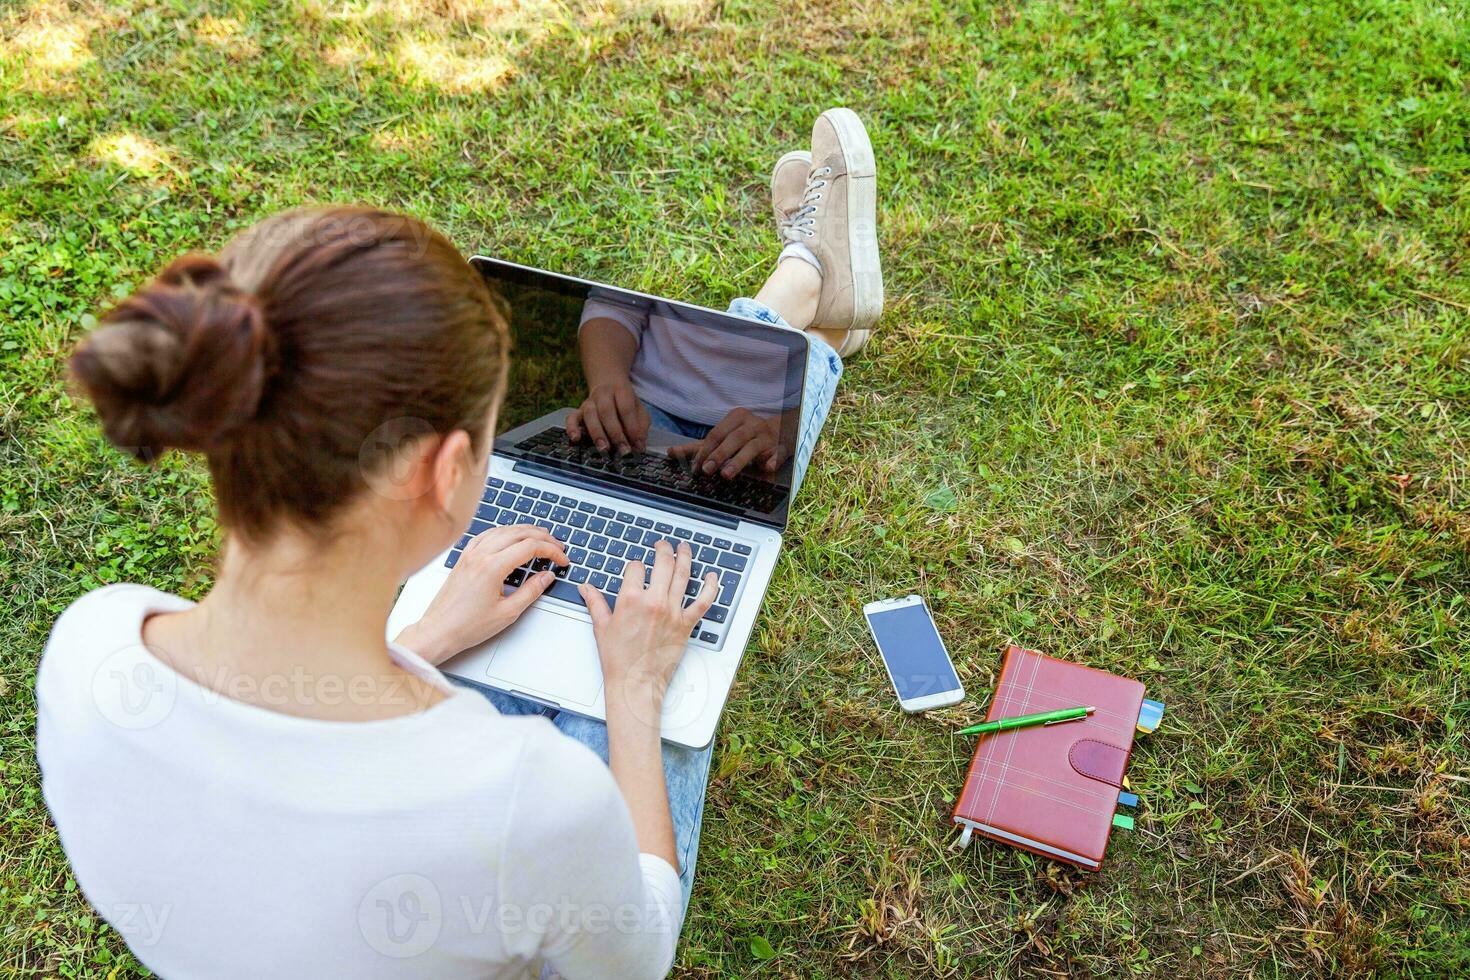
pixel 917 663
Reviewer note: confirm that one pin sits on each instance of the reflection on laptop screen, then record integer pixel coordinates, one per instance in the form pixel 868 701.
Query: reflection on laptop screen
pixel 707 403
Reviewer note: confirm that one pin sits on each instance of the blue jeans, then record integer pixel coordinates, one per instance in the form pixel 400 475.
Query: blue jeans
pixel 686 771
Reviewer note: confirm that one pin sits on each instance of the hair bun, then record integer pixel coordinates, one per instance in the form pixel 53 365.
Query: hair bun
pixel 180 364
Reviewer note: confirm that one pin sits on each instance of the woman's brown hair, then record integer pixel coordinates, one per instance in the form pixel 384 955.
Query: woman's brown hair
pixel 281 357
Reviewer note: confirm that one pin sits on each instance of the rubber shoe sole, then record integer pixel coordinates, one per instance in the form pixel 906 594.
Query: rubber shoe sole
pixel 862 213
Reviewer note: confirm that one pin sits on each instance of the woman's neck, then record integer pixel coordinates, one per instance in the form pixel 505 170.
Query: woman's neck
pixel 296 625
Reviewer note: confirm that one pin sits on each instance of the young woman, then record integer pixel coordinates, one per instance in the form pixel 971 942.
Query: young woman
pixel 258 784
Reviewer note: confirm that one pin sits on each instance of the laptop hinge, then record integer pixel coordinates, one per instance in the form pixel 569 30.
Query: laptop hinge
pixel 627 493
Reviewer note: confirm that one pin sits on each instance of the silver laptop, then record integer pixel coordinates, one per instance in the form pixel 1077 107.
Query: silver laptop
pixel 692 367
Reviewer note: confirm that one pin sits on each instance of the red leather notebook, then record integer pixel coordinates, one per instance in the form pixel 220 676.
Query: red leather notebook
pixel 1052 789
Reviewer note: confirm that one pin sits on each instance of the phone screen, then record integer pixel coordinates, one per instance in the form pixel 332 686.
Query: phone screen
pixel 911 647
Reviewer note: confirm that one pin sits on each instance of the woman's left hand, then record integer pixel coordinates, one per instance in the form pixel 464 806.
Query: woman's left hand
pixel 471 607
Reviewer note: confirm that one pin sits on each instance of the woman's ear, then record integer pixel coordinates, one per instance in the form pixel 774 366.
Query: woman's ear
pixel 449 468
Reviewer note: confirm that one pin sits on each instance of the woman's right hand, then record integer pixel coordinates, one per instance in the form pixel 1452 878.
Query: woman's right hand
pixel 641 643
pixel 471 607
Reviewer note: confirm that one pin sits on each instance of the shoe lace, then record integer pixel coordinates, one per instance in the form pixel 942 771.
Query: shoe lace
pixel 802 223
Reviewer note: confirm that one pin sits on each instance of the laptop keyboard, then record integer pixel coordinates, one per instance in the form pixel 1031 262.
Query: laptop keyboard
pixel 655 470
pixel 600 541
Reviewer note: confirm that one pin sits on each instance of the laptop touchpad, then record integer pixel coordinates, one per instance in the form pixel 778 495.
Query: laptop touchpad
pixel 549 655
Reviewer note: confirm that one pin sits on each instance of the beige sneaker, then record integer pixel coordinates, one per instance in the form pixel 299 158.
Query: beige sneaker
pixel 788 186
pixel 838 221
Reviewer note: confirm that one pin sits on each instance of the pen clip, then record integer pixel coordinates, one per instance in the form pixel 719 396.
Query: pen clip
pixel 1062 721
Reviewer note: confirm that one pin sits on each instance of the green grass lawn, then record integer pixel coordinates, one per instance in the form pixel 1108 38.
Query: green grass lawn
pixel 1174 381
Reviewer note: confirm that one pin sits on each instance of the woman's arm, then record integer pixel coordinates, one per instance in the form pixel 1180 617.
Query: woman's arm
pixel 635 756
pixel 607 348
pixel 640 646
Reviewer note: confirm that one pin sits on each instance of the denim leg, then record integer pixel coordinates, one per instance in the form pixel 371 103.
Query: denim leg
pixel 686 771
pixel 823 369
pixel 660 419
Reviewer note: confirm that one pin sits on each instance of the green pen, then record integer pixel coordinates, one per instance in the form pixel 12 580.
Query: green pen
pixel 1025 721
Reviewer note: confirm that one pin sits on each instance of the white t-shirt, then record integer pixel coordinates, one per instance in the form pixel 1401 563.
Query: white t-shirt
pixel 696 372
pixel 226 840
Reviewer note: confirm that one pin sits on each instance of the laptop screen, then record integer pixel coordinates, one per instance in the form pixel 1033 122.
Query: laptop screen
pixel 662 401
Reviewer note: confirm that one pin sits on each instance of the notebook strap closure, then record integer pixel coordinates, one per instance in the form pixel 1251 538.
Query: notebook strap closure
pixel 1098 760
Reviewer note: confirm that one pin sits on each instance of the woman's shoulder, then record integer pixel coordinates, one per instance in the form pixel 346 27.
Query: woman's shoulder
pixel 101 623
pixel 123 591
pixel 114 611
pixel 119 596
pixel 94 669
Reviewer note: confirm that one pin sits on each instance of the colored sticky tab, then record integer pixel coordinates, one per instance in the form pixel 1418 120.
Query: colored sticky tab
pixel 1123 820
pixel 1126 783
pixel 1127 799
pixel 1149 715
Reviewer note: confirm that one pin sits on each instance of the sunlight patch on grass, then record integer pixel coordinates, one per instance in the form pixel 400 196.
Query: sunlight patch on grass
pixel 136 154
pixel 226 34
pixel 500 16
pixel 50 40
pixel 459 47
pixel 53 47
pixel 454 47
pixel 345 54
pixel 438 63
